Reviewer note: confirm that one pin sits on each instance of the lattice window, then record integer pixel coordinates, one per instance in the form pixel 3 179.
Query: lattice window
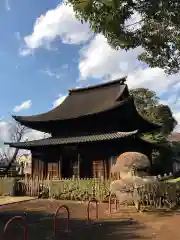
pixel 112 173
pixel 52 170
pixel 98 169
pixel 76 169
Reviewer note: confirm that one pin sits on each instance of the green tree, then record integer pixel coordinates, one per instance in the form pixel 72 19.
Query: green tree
pixel 147 104
pixel 156 29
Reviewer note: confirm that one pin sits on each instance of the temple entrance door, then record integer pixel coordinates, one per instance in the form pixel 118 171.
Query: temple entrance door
pixel 85 167
pixel 69 166
pixel 66 167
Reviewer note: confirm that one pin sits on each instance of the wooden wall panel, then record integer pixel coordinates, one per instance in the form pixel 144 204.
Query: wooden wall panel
pixel 41 169
pixel 98 168
pixel 35 167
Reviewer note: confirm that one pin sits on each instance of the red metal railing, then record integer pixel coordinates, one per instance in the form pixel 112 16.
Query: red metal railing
pixel 110 203
pixel 88 209
pixel 17 218
pixel 55 219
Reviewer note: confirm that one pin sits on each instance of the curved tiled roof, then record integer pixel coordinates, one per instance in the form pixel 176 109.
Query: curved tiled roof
pixel 91 101
pixel 82 102
pixel 72 140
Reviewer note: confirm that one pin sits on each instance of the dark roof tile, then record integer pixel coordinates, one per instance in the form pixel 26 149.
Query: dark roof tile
pixel 71 140
pixel 83 102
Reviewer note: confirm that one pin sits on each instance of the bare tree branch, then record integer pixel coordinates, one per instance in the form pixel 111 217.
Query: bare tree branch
pixel 16 133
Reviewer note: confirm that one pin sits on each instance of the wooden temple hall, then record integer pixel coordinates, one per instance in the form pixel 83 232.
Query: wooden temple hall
pixel 88 131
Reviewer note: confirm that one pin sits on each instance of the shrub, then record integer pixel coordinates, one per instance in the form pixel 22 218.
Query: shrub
pixel 79 189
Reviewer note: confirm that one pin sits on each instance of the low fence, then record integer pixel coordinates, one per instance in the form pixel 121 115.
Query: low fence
pixel 29 187
pixel 65 189
pixel 7 186
pixel 157 194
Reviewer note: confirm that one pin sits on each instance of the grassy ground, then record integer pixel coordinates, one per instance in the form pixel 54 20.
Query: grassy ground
pixel 174 180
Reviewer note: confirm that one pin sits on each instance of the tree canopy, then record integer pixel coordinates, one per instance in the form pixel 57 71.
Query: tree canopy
pixel 147 104
pixel 127 24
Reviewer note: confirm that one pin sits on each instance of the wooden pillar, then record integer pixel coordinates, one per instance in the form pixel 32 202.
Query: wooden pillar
pixel 41 169
pixel 102 169
pixel 110 165
pixel 35 164
pixel 45 170
pixel 59 167
pixel 32 165
pixel 105 169
pixel 78 165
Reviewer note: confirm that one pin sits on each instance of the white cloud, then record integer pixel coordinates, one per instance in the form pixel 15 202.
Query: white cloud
pixel 59 100
pixel 6 133
pixel 56 23
pixel 99 60
pixel 24 105
pixel 7 5
pixel 4 137
pixel 152 78
pixel 177 117
pixel 51 73
pixel 34 135
pixel 25 52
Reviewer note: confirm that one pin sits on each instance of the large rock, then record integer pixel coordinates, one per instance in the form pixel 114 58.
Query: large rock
pixel 129 179
pixel 129 160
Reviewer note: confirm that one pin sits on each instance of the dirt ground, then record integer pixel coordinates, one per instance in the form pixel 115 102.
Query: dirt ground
pixel 126 224
pixel 9 200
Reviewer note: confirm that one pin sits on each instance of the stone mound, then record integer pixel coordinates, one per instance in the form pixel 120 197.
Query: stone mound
pixel 124 187
pixel 129 160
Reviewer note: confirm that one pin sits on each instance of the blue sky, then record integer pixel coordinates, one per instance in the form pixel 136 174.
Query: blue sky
pixel 24 78
pixel 44 51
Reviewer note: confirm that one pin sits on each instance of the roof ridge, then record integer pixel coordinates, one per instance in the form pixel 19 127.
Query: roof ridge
pixel 100 85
